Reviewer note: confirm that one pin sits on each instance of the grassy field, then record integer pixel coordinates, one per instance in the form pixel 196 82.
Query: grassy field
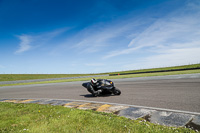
pixel 110 77
pixel 14 77
pixel 35 118
pixel 160 69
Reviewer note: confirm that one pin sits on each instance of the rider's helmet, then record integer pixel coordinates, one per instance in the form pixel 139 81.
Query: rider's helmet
pixel 93 82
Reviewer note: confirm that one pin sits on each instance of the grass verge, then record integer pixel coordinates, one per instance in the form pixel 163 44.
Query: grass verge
pixel 111 77
pixel 14 77
pixel 160 69
pixel 36 118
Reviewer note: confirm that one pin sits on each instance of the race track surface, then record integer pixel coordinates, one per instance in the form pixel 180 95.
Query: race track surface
pixel 160 92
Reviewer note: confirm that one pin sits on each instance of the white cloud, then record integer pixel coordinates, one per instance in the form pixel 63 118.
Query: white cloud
pixel 121 52
pixel 176 56
pixel 92 43
pixel 100 36
pixel 28 42
pixel 179 29
pixel 24 44
pixel 170 57
pixel 49 35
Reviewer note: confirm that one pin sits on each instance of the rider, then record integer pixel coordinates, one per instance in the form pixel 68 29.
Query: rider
pixel 94 87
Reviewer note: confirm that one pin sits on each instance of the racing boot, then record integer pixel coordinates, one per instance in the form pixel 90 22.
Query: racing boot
pixel 96 93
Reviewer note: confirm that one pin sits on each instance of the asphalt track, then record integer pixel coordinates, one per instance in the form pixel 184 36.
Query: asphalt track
pixel 180 92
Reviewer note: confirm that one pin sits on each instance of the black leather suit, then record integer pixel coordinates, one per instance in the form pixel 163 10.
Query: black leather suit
pixel 94 88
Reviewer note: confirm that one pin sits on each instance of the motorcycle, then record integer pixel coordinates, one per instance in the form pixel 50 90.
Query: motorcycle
pixel 106 87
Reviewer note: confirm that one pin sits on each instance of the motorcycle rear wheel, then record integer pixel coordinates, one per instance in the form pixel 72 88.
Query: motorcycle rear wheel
pixel 116 92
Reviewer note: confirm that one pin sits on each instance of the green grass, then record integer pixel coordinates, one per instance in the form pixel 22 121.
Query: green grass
pixel 160 69
pixel 158 74
pixel 14 77
pixel 110 77
pixel 35 118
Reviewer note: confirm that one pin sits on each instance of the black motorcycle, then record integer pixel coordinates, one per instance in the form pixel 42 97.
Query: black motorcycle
pixel 106 86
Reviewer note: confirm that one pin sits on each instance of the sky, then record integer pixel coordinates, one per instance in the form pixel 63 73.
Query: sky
pixel 96 36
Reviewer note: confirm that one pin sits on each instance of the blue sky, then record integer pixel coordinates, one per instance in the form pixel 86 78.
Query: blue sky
pixel 94 36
